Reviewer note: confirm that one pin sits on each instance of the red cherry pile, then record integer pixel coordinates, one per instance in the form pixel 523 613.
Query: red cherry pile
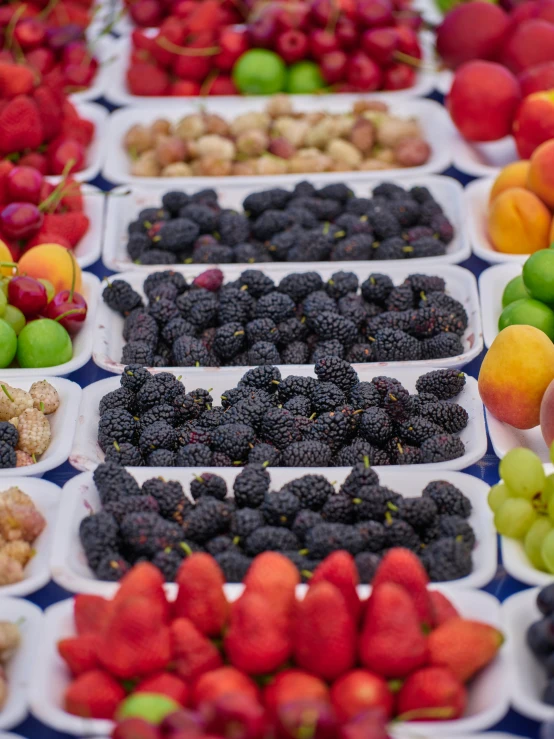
pixel 38 299
pixel 39 127
pixel 62 14
pixel 363 45
pixel 33 212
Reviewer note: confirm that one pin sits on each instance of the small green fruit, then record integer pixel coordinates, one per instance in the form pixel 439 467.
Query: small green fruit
pixel 259 72
pixel 15 318
pixel 8 344
pixel 50 289
pixel 3 304
pixel 43 343
pixel 304 78
pixel 151 707
pixel 514 290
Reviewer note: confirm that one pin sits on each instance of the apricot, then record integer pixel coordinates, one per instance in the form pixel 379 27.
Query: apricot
pixel 513 175
pixel 518 222
pixel 470 31
pixel 540 179
pixel 483 101
pixel 54 263
pixel 531 43
pixel 534 122
pixel 538 78
pixel 516 371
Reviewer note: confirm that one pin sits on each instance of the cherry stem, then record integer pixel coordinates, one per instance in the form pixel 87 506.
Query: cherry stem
pixel 183 51
pixel 440 712
pixel 71 312
pixel 73 270
pixel 10 264
pixel 12 24
pixel 58 192
pixel 413 61
pixel 333 18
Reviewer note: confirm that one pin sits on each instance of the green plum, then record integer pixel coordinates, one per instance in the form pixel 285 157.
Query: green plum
pixel 8 344
pixel 538 275
pixel 528 312
pixel 3 304
pixel 15 318
pixel 43 343
pixel 304 78
pixel 514 290
pixel 260 72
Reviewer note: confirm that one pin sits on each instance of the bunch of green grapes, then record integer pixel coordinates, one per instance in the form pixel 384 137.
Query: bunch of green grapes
pixel 523 505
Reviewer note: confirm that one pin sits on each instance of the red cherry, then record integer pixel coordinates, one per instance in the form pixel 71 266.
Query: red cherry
pixel 29 33
pixel 292 46
pixel 35 160
pixel 79 75
pixel 27 294
pixel 58 38
pixel 363 73
pixel 24 184
pixel 333 67
pixel 141 41
pixel 399 77
pixel 374 13
pixel 408 42
pixel 324 11
pixel 223 85
pixel 192 67
pixel 322 42
pixel 64 302
pixel 42 59
pixel 263 31
pixel 293 16
pixel 380 44
pixel 20 220
pixel 233 42
pixel 185 88
pixel 346 33
pixel 61 151
pixel 146 13
pixel 183 8
pixel 408 19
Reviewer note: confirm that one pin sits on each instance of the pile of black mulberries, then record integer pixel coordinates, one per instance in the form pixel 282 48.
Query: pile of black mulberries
pixel 305 520
pixel 300 225
pixel 331 419
pixel 252 320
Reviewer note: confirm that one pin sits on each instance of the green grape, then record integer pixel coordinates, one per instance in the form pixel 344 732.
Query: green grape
pixel 514 518
pixel 547 551
pixel 497 495
pixel 523 472
pixel 534 539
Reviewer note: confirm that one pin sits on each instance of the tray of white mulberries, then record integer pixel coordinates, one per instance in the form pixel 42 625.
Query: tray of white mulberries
pixel 233 317
pixel 417 219
pixel 323 415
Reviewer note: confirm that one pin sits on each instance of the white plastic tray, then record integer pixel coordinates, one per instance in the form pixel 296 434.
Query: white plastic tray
pixel 479 160
pixel 80 497
pixel 122 208
pixel 117 91
pixel 23 663
pixel 526 677
pixel 488 692
pixel 46 496
pixel 431 115
pixel 89 249
pixel 82 342
pixel 477 205
pixel 461 284
pixel 505 437
pixel 86 454
pixel 62 424
pixel 491 287
pixel 95 153
pixel 103 51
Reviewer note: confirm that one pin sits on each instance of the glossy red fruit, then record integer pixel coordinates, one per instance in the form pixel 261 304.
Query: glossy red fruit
pixel 322 42
pixel 183 8
pixel 41 59
pixel 30 33
pixel 146 13
pixel 182 723
pixel 76 53
pixel 292 46
pixel 192 67
pixel 363 73
pixel 311 718
pixel 63 302
pixel 24 184
pixel 20 220
pixel 262 32
pixel 399 77
pixel 211 279
pixel 374 13
pixel 380 44
pixel 334 66
pixel 27 294
pixel 293 16
pixel 324 11
pixel 233 42
pixel 58 38
pixel 134 728
pixel 408 42
pixel 79 75
pixel 222 85
pixel 239 716
pixel 346 33
pixel 64 151
pixel 185 88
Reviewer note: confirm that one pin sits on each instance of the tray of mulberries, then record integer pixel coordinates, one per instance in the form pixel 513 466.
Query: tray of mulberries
pixel 309 222
pixel 322 415
pixel 37 421
pixel 113 517
pixel 231 317
pixel 248 138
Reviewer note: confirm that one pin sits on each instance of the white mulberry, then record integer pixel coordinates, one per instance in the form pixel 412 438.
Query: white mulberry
pixel 45 397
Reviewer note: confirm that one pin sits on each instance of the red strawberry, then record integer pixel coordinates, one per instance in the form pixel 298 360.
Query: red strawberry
pixel 49 110
pixel 94 694
pixel 192 653
pixel 431 694
pixel 15 79
pixel 212 685
pixel 293 685
pixel 136 642
pixel 340 569
pixel 147 79
pixel 464 646
pixel 80 653
pixel 91 613
pixel 72 199
pixel 20 125
pixel 200 596
pixel 36 160
pixel 392 643
pixel 141 40
pixel 257 641
pixel 81 130
pixel 5 168
pixel 145 580
pixel 358 691
pixel 65 155
pixel 404 568
pixel 275 577
pixel 70 226
pixel 48 238
pixel 324 644
pixel 443 610
pixel 167 684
